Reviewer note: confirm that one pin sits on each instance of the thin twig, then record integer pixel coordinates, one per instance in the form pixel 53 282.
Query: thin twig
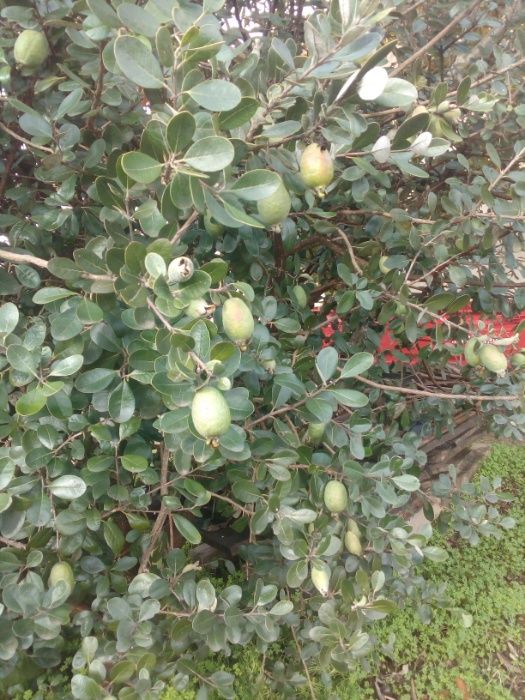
pixel 185 226
pixel 98 90
pixel 346 240
pixel 163 511
pixel 28 259
pixel 28 143
pixel 435 39
pixel 12 543
pixel 435 394
pixel 307 672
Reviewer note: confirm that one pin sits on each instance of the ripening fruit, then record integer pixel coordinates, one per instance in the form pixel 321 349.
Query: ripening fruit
pixel 321 580
pixel 518 360
pixel 382 264
pixel 212 227
pixel 275 208
pixel 269 365
pixel 196 308
pixel 210 413
pixel 493 359
pixel 317 167
pixel 315 432
pixel 335 496
pixel 31 48
pixel 62 572
pixel 352 526
pixel 470 352
pixel 180 270
pixel 353 543
pixel 237 320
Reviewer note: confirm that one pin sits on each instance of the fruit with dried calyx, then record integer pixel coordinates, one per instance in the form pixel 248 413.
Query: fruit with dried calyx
pixel 470 352
pixel 493 360
pixel 31 49
pixel 321 579
pixel 335 496
pixel 518 359
pixel 237 320
pixel 210 413
pixel 269 365
pixel 316 167
pixel 62 571
pixel 275 208
pixel 180 270
pixel 213 227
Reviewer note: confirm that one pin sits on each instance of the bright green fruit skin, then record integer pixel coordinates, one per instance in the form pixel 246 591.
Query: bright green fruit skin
pixel 492 359
pixel 210 413
pixel 212 227
pixel 518 360
pixel 317 167
pixel 353 543
pixel 31 48
pixel 382 264
pixel 275 208
pixel 315 432
pixel 352 526
pixel 469 351
pixel 62 572
pixel 335 496
pixel 237 320
pixel 321 580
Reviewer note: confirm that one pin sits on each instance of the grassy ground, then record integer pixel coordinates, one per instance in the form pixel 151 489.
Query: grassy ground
pixel 441 660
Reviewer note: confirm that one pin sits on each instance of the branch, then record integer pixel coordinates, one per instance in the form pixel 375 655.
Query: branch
pixel 435 394
pixel 12 543
pixel 23 140
pixel 346 240
pixel 185 226
pixel 98 90
pixel 435 39
pixel 27 259
pixel 163 511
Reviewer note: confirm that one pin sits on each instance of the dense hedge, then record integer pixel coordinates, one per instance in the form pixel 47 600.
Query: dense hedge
pixel 154 406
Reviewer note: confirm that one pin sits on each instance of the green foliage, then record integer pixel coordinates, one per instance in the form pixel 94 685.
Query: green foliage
pixel 147 121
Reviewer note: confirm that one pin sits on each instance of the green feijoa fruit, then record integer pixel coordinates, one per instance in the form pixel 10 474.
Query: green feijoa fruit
pixel 180 270
pixel 470 352
pixel 275 208
pixel 518 359
pixel 237 320
pixel 321 579
pixel 62 571
pixel 335 496
pixel 210 413
pixel 315 432
pixel 353 543
pixel 316 166
pixel 493 360
pixel 31 49
pixel 196 308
